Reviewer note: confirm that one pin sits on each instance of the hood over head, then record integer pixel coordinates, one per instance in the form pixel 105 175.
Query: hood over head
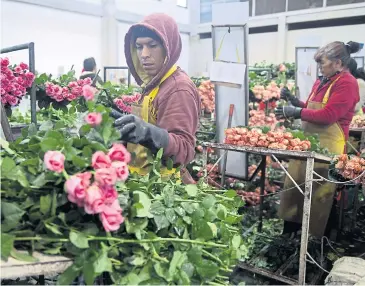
pixel 167 32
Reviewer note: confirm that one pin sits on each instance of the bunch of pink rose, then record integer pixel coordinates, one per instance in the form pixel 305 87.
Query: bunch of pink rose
pixel 124 102
pixel 95 190
pixel 14 82
pixel 72 91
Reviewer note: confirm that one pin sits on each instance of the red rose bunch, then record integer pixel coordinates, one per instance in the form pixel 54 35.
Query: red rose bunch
pixel 125 101
pixel 207 96
pixel 350 167
pixel 14 81
pixel 95 190
pixel 72 91
pixel 273 139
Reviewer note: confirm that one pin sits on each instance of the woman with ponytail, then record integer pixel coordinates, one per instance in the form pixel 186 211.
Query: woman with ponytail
pixel 328 113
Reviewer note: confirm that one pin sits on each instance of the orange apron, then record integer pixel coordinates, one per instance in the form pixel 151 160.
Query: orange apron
pixel 146 111
pixel 291 202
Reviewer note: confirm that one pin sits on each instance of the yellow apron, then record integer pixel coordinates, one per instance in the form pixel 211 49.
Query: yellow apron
pixel 291 202
pixel 147 112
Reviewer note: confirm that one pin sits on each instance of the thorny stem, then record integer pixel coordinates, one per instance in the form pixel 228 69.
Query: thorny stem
pixel 213 257
pixel 126 241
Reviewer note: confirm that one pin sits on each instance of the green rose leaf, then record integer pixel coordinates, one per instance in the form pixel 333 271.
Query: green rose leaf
pixel 7 166
pixel 7 245
pixel 12 214
pixel 208 201
pixel 171 215
pixel 67 277
pixel 207 270
pixel 79 239
pixel 45 204
pixel 142 198
pixel 22 256
pixel 192 190
pixel 161 221
pixel 48 144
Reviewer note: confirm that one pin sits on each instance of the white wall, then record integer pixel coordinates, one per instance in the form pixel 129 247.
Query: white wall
pixel 276 47
pixel 324 36
pixel 145 7
pixel 61 39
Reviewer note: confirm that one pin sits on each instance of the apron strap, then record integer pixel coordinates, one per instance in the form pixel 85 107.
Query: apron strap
pixel 147 107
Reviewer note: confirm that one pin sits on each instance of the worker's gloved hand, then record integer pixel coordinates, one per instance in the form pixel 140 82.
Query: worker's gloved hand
pixel 288 112
pixel 116 114
pixel 286 95
pixel 134 130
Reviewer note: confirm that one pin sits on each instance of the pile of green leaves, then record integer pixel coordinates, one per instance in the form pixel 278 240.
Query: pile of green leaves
pixel 17 117
pixel 172 234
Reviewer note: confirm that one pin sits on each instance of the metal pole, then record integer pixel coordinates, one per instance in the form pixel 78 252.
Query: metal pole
pixel 306 219
pixel 129 78
pixel 205 160
pixel 230 115
pixel 15 48
pixel 246 93
pixel 5 125
pixel 262 190
pixel 104 74
pixel 33 96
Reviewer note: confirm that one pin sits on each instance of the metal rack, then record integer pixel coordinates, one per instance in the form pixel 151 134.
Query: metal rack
pixel 118 68
pixel 311 158
pixel 30 48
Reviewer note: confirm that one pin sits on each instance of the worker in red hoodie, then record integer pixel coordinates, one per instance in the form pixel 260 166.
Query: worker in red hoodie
pixel 328 112
pixel 167 116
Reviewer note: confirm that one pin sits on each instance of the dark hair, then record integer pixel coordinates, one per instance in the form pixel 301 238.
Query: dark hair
pixel 352 66
pixel 338 51
pixel 89 64
pixel 360 73
pixel 143 32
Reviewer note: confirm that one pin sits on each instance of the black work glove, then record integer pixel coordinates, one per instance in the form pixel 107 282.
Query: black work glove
pixel 134 130
pixel 286 95
pixel 288 112
pixel 116 114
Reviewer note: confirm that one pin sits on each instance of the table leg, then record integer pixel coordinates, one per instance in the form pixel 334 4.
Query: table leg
pixel 205 161
pixel 305 222
pixel 262 190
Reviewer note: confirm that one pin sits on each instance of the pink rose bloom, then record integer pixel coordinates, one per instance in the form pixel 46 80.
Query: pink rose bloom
pixel 76 191
pixel 4 100
pixel 81 82
pixel 94 200
pixel 17 93
pixel 59 97
pixel 100 160
pixel 77 90
pixel 24 66
pixel 119 153
pixel 71 96
pixel 88 92
pixel 54 161
pixel 18 70
pixel 121 169
pixel 106 176
pixel 87 81
pixel 93 118
pixel 72 84
pixel 4 62
pixel 20 80
pixel 2 91
pixel 85 177
pixel 57 90
pixel 110 194
pixel 111 217
pixel 282 68
pixel 13 100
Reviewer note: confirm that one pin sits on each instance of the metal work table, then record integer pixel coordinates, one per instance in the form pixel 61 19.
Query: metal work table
pixel 311 158
pixel 356 131
pixel 49 265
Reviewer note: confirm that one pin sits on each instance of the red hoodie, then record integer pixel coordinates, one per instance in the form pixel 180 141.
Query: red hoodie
pixel 177 102
pixel 340 106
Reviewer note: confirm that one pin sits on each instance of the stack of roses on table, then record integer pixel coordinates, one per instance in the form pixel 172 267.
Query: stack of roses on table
pixel 95 190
